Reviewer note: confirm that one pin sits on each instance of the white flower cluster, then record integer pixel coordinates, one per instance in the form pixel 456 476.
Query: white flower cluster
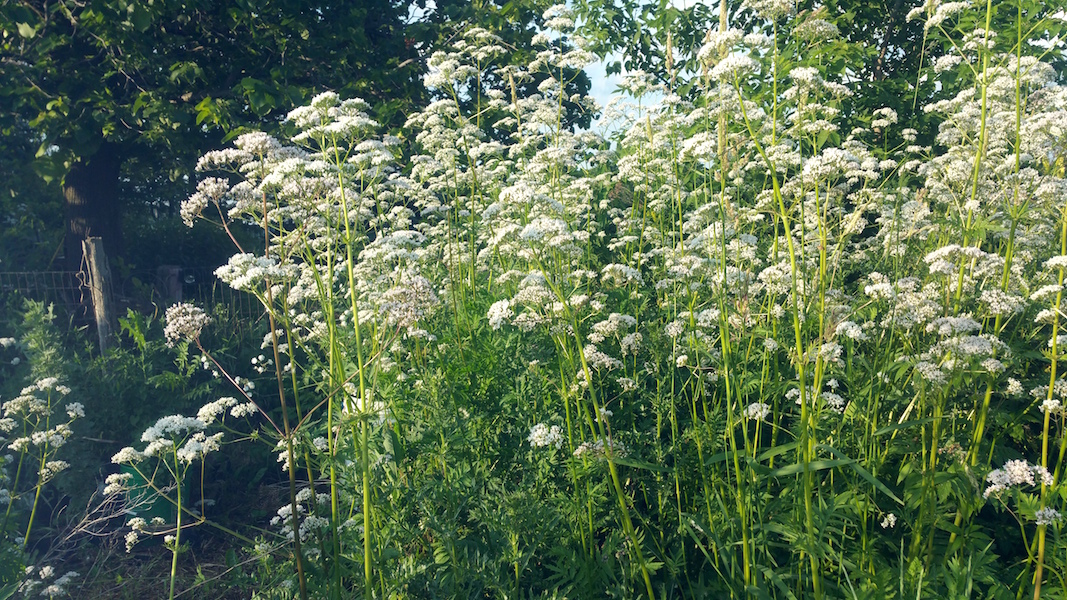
pixel 184 322
pixel 36 401
pixel 46 441
pixel 211 190
pixel 851 331
pixel 1051 405
pixel 499 313
pixel 184 436
pixel 771 10
pixel 116 483
pixel 627 384
pixel 611 327
pixel 43 583
pixel 127 456
pixel 601 449
pixel 330 118
pixel 1015 473
pixel 404 305
pixel 630 344
pixel 599 360
pixel 1014 387
pixel 757 411
pixel 52 468
pixel 543 436
pixel 310 524
pixel 172 426
pixel 137 527
pixel 733 66
pixel 245 271
pixel 210 411
pixel 1047 516
pixel 245 409
pixel 198 446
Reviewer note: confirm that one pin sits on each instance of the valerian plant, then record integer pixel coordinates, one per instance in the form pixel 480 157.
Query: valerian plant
pixel 35 426
pixel 731 349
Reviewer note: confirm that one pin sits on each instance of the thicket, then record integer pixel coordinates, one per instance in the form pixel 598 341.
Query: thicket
pixel 752 343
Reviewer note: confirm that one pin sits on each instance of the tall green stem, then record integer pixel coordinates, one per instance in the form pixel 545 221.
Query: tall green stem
pixel 177 528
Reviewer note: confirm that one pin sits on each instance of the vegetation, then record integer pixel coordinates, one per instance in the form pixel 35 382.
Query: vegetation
pixel 764 339
pixel 105 82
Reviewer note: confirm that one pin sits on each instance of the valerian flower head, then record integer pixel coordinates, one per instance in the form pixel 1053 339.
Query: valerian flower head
pixel 851 331
pixel 184 322
pixel 408 302
pixel 210 411
pixel 198 446
pixel 211 190
pixel 816 30
pixel 52 468
pixel 1016 473
pixel 1051 405
pixel 543 436
pixel 719 43
pixel 172 426
pixel 127 456
pixel 257 143
pixel 499 313
pixel 116 483
pixel 245 409
pixel 757 411
pixel 734 66
pixel 244 271
pixel 1047 516
pixel 601 448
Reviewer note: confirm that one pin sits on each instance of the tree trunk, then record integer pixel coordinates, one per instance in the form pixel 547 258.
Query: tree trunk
pixel 90 193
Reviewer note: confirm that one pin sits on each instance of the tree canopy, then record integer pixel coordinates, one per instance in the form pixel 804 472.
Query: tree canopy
pixel 98 82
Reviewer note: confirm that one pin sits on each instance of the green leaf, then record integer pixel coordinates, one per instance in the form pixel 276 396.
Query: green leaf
pixel 815 465
pixel 207 110
pixel 26 30
pixel 778 450
pixel 640 464
pixel 865 474
pixel 260 102
pixel 393 445
pixel 140 17
pixel 871 479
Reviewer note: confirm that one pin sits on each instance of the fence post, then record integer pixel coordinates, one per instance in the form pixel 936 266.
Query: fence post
pixel 169 283
pixel 100 287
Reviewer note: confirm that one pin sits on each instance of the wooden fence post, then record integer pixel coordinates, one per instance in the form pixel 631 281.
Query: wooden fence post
pixel 100 287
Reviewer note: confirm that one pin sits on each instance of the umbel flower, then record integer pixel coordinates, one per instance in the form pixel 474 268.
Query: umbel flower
pixel 1016 473
pixel 542 436
pixel 184 322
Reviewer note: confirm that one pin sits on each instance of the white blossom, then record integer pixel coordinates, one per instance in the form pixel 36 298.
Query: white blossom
pixel 184 322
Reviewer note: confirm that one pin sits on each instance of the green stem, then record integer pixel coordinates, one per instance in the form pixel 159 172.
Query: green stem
pixel 290 455
pixel 177 529
pixel 806 447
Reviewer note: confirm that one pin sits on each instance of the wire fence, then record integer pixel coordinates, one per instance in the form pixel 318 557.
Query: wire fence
pixel 66 289
pixel 149 292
